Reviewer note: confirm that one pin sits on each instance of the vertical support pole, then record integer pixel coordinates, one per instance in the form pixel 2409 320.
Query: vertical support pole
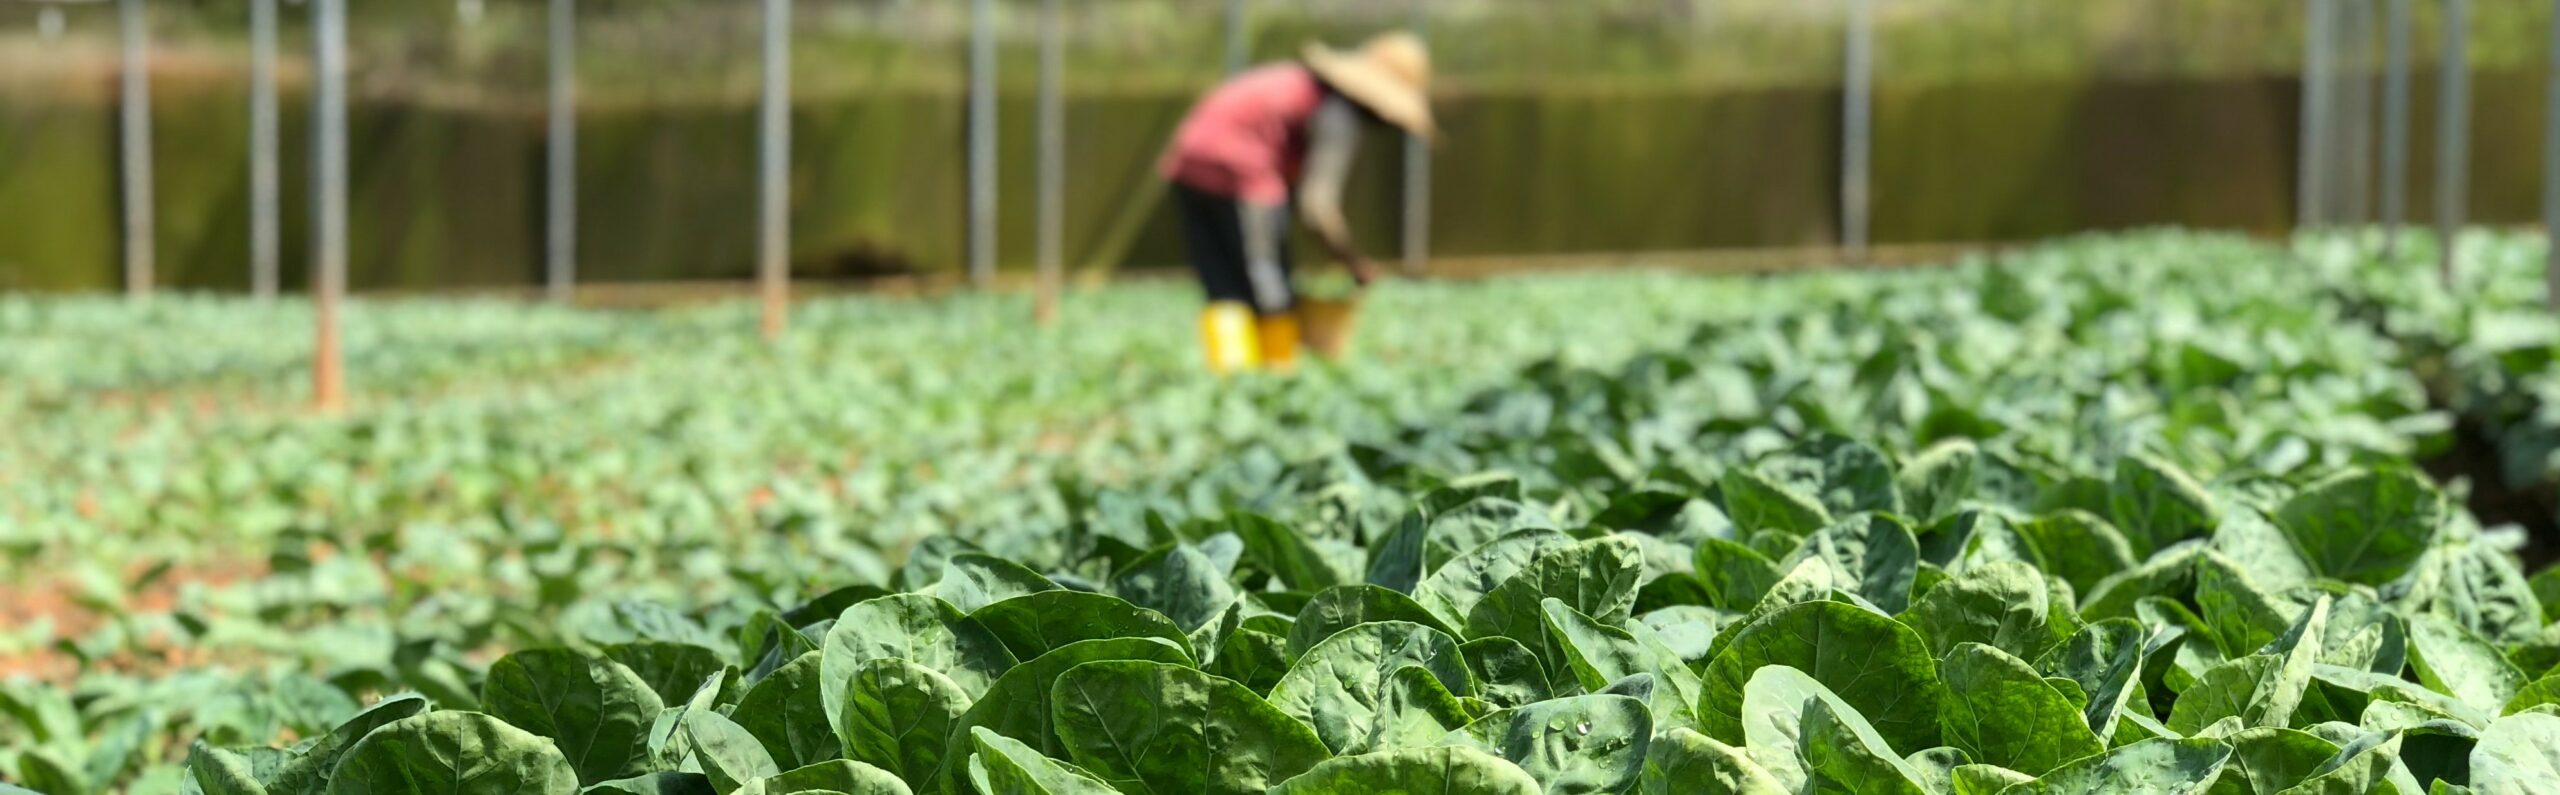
pixel 2354 142
pixel 2395 125
pixel 328 195
pixel 1417 177
pixel 560 249
pixel 266 240
pixel 2551 171
pixel 1857 119
pixel 2311 179
pixel 1053 158
pixel 1239 45
pixel 773 161
pixel 134 127
pixel 982 143
pixel 2453 135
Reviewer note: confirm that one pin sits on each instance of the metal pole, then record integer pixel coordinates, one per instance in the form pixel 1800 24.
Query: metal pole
pixel 1417 178
pixel 982 143
pixel 2313 162
pixel 561 243
pixel 773 197
pixel 1053 158
pixel 328 195
pixel 2551 172
pixel 2395 125
pixel 2453 135
pixel 265 235
pixel 135 128
pixel 1857 127
pixel 1239 46
pixel 2354 26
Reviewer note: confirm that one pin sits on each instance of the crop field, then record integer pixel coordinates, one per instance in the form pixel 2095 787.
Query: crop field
pixel 2152 512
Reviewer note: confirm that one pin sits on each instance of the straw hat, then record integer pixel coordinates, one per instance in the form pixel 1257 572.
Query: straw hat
pixel 1390 75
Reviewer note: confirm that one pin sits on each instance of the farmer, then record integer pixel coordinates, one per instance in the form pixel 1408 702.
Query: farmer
pixel 1271 136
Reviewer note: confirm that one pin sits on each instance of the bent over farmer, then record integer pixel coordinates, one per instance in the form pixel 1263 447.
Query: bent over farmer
pixel 1269 137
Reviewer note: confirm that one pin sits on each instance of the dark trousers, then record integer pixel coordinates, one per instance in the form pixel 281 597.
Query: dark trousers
pixel 1213 231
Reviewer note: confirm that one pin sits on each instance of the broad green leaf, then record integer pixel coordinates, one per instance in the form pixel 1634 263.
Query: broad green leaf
pixel 1879 668
pixel 2105 659
pixel 1758 503
pixel 1413 771
pixel 2262 550
pixel 2357 769
pixel 898 716
pixel 788 715
pixel 44 770
pixel 2078 546
pixel 1019 706
pixel 593 708
pixel 218 771
pixel 1938 480
pixel 1034 624
pixel 2157 504
pixel 2477 587
pixel 1012 768
pixel 926 560
pixel 726 751
pixel 1844 475
pixel 768 642
pixel 2002 605
pixel 2169 573
pixel 1876 555
pixel 2242 616
pixel 1453 590
pixel 2001 712
pixel 1163 728
pixel 1687 630
pixel 452 753
pixel 2545 690
pixel 2517 755
pixel 1581 744
pixel 1596 577
pixel 309 772
pixel 1936 767
pixel 834 775
pixel 2272 759
pixel 1451 533
pixel 2154 765
pixel 918 628
pixel 2364 526
pixel 1681 761
pixel 1735 576
pixel 1345 687
pixel 1984 779
pixel 1344 606
pixel 1506 673
pixel 2262 690
pixel 668 783
pixel 1179 581
pixel 672 670
pixel 1811 740
pixel 1252 658
pixel 2452 661
pixel 972 580
pixel 1288 554
pixel 831 604
pixel 1599 654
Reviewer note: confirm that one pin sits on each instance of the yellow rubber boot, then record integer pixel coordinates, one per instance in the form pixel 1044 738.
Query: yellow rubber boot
pixel 1279 338
pixel 1227 331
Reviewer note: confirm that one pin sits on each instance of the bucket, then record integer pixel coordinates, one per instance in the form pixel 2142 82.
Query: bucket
pixel 1326 323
